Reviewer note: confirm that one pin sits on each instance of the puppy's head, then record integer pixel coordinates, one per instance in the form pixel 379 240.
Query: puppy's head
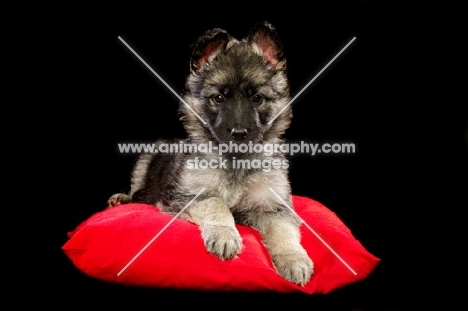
pixel 237 87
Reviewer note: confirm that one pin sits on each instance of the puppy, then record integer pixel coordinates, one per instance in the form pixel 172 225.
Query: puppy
pixel 234 89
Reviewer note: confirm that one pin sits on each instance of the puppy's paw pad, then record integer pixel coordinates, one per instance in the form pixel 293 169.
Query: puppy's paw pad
pixel 223 241
pixel 294 267
pixel 118 199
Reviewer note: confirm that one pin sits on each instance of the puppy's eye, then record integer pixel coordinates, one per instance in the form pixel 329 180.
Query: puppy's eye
pixel 218 98
pixel 257 98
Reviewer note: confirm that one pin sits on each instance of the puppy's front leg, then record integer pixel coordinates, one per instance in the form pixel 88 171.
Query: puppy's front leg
pixel 217 224
pixel 281 235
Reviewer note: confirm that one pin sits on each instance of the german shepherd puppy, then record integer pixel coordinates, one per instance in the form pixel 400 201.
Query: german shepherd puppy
pixel 236 87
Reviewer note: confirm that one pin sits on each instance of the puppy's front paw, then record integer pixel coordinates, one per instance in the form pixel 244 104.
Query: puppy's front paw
pixel 294 267
pixel 223 241
pixel 118 199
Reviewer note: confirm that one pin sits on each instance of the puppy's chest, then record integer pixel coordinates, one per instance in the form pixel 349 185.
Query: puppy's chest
pixel 231 185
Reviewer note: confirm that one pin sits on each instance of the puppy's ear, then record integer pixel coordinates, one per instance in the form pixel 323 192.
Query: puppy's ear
pixel 265 41
pixel 207 46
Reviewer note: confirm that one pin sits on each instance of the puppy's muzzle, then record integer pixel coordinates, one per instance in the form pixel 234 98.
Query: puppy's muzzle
pixel 239 133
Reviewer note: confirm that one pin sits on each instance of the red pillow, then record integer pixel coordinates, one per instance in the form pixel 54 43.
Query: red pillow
pixel 104 245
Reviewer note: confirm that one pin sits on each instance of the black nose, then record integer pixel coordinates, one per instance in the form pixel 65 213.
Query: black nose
pixel 238 133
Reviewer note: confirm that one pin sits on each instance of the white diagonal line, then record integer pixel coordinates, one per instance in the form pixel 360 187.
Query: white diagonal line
pixel 159 233
pixel 315 233
pixel 316 76
pixel 164 82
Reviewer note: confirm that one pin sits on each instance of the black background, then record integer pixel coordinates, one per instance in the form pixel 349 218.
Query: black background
pixel 382 94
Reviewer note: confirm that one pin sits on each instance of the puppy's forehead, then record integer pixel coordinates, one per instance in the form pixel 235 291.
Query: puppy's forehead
pixel 239 64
